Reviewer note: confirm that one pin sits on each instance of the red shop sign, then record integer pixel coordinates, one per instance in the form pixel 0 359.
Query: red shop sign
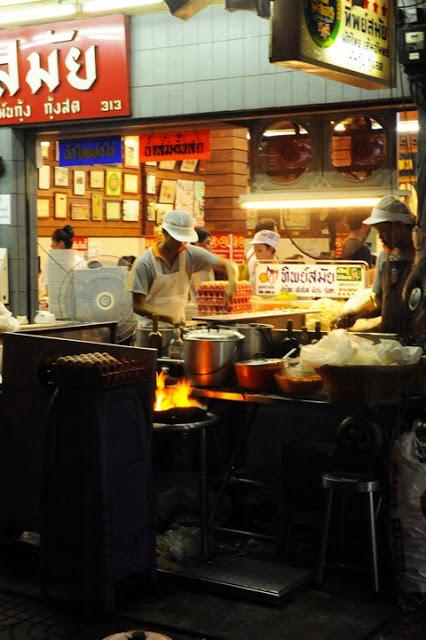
pixel 62 71
pixel 80 243
pixel 175 145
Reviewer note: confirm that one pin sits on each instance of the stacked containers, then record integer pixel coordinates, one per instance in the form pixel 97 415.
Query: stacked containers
pixel 211 297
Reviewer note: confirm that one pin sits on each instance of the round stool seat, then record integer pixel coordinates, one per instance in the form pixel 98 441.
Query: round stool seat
pixel 351 482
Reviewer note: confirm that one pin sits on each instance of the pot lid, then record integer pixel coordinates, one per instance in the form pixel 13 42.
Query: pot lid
pixel 219 334
pixel 260 362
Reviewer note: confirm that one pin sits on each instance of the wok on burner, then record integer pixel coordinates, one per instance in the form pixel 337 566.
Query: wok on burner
pixel 180 415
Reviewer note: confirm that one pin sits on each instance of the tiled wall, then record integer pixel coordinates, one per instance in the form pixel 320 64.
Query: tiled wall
pixel 218 61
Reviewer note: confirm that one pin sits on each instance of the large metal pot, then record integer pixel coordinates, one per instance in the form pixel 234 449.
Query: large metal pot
pixel 140 338
pixel 258 339
pixel 209 354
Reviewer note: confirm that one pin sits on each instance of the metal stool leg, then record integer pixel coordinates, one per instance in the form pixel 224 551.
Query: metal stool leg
pixel 373 542
pixel 324 538
pixel 204 495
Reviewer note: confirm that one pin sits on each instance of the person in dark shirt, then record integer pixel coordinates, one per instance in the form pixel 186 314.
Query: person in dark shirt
pixel 355 247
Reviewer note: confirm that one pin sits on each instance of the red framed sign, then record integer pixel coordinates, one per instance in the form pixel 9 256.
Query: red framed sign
pixel 62 71
pixel 175 145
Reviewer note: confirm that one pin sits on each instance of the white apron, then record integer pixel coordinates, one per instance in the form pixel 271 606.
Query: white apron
pixel 169 293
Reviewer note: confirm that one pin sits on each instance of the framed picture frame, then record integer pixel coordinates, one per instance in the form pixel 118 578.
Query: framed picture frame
pixel 131 210
pixel 113 182
pixel 79 183
pixel 161 210
pixel 151 183
pixel 43 208
pixel 188 165
pixel 151 210
pixel 97 207
pixel 44 177
pixel 61 200
pixel 131 152
pixel 167 192
pixel 167 164
pixel 80 211
pixel 130 183
pixel 97 179
pixel 61 177
pixel 112 210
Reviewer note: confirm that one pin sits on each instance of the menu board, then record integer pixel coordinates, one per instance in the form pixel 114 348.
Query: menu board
pixel 319 280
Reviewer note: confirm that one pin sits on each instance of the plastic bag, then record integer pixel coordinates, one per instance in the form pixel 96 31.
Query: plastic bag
pixel 408 516
pixel 393 352
pixel 7 321
pixel 340 348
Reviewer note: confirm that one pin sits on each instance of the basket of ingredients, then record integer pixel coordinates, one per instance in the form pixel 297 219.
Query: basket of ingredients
pixel 356 370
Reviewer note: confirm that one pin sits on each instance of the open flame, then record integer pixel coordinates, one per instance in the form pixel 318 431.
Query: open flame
pixel 174 396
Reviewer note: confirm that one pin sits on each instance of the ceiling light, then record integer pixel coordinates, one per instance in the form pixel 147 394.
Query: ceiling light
pixel 408 126
pixel 92 6
pixel 31 13
pixel 317 201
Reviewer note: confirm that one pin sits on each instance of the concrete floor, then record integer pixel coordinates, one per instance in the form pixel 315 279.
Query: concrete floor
pixel 339 612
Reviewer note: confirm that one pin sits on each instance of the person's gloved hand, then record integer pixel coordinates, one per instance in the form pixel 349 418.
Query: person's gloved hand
pixel 345 321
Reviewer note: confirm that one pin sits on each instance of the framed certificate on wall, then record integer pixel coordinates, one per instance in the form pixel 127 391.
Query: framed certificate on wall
pixel 61 177
pixel 43 208
pixel 79 184
pixel 113 182
pixel 61 206
pixel 97 179
pixel 112 210
pixel 131 210
pixel 97 207
pixel 130 183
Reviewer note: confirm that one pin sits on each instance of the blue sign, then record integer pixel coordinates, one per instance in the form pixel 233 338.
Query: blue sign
pixel 90 151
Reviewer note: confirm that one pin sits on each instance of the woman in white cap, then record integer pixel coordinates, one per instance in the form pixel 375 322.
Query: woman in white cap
pixel 394 223
pixel 161 274
pixel 264 246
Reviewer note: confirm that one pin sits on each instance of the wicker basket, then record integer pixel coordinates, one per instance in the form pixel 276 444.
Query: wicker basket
pixel 368 385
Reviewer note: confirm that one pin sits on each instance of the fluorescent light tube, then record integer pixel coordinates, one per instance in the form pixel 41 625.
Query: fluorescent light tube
pixel 317 203
pixel 92 6
pixel 408 126
pixel 29 13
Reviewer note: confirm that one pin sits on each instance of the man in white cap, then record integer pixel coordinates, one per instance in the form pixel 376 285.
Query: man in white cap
pixel 264 246
pixel 161 274
pixel 394 223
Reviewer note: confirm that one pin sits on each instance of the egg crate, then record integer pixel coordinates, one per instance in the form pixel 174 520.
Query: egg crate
pixel 97 374
pixel 211 297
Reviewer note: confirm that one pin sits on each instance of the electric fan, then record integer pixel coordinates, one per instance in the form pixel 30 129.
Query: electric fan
pixel 100 293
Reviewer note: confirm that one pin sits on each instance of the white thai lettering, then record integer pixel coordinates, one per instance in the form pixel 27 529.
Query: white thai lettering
pixel 36 75
pixel 10 78
pixel 74 66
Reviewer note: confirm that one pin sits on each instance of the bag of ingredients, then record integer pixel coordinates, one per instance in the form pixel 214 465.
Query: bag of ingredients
pixel 7 321
pixel 340 348
pixel 408 515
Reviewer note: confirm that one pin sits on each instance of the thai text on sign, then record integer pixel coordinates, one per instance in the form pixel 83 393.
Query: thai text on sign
pixel 175 145
pixel 90 151
pixel 322 279
pixel 62 71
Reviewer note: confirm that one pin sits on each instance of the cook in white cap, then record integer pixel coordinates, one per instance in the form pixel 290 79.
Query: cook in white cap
pixel 161 274
pixel 394 223
pixel 264 246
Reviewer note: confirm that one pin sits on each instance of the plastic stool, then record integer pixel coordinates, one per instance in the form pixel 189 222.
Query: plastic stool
pixel 344 484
